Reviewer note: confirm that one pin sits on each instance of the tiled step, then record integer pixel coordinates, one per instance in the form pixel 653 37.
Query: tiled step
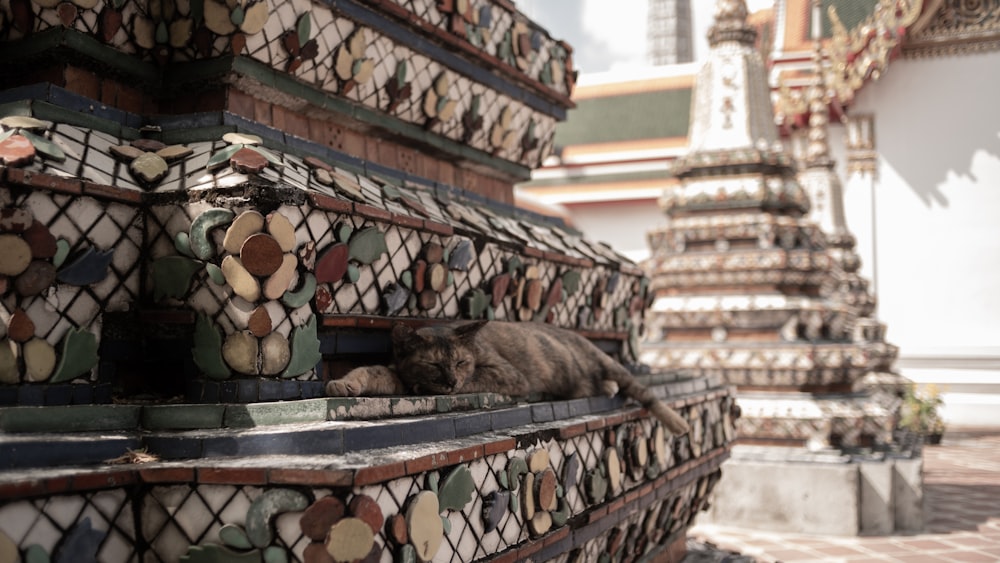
pixel 309 427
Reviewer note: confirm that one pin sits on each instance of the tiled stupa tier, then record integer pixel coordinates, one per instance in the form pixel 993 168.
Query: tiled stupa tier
pixel 475 79
pixel 501 481
pixel 274 254
pixel 745 284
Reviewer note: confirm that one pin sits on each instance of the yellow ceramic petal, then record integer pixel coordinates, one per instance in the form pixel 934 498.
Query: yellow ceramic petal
pixel 279 282
pixel 441 85
pixel 246 224
pixel 448 110
pixel 282 230
pixel 255 18
pixel 430 103
pixel 145 32
pixel 344 64
pixel 506 116
pixel 356 44
pixel 180 32
pixel 365 73
pixel 39 359
pixel 242 281
pixel 217 17
pixel 242 139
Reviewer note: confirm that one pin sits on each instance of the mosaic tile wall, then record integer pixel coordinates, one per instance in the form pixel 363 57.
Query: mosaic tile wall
pixel 575 488
pixel 353 53
pixel 267 251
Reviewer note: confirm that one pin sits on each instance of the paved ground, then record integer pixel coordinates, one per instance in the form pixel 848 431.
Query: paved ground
pixel 962 503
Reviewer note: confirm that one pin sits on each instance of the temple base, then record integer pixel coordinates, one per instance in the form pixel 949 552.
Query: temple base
pixel 826 492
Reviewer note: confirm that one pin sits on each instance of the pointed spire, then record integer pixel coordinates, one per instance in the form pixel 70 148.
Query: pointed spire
pixel 733 133
pixel 731 24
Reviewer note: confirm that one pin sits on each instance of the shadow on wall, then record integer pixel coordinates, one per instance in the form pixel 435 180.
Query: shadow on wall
pixel 932 131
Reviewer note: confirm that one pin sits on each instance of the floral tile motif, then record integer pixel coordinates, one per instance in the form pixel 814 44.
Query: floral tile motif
pixel 492 261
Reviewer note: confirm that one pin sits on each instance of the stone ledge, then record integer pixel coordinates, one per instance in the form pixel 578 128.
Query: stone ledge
pixel 308 427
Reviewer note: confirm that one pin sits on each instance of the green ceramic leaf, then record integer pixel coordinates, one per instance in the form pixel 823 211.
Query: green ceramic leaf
pixel 296 299
pixel 7 133
pixel 514 264
pixel 457 489
pixel 407 554
pixel 391 192
pixel 446 525
pixel 77 356
pixel 344 231
pixel 36 554
pixel 275 554
pixel 183 244
pixel 268 506
pixel 207 351
pixel 367 245
pixel 172 276
pixel 571 281
pixel 201 246
pixel 62 251
pixel 222 157
pixel 516 467
pixel 234 536
pixel 546 75
pixel 305 349
pixel 304 28
pixel 215 273
pixel 475 104
pixel 353 273
pixel 406 278
pixel 401 73
pixel 44 146
pixel 162 33
pixel 237 15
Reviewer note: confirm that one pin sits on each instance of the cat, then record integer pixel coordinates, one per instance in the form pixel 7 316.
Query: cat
pixel 515 359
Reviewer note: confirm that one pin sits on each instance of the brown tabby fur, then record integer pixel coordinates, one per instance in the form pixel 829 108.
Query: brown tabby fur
pixel 515 359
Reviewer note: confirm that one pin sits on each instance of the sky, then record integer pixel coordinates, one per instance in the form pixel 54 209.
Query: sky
pixel 611 34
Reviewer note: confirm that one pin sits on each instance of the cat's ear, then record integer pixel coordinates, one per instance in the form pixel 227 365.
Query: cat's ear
pixel 468 331
pixel 402 336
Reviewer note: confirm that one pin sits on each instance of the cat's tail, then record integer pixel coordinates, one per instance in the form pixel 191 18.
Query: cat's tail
pixel 629 386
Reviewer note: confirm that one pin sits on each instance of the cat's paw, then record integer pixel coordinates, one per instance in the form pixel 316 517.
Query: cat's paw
pixel 610 388
pixel 346 387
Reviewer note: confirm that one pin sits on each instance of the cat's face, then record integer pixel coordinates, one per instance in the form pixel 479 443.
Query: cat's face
pixel 435 360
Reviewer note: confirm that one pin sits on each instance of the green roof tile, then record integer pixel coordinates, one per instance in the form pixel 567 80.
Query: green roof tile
pixel 851 13
pixel 628 117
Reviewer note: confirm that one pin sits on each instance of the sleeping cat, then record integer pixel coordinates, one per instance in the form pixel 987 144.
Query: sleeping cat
pixel 515 359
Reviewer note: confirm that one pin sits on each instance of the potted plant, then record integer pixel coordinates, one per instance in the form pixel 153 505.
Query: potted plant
pixel 919 412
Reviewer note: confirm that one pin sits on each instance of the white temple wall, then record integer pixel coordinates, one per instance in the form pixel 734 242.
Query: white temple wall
pixel 929 234
pixel 621 224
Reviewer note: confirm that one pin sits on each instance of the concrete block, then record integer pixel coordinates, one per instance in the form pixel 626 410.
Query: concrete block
pixel 908 494
pixel 878 515
pixel 808 498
